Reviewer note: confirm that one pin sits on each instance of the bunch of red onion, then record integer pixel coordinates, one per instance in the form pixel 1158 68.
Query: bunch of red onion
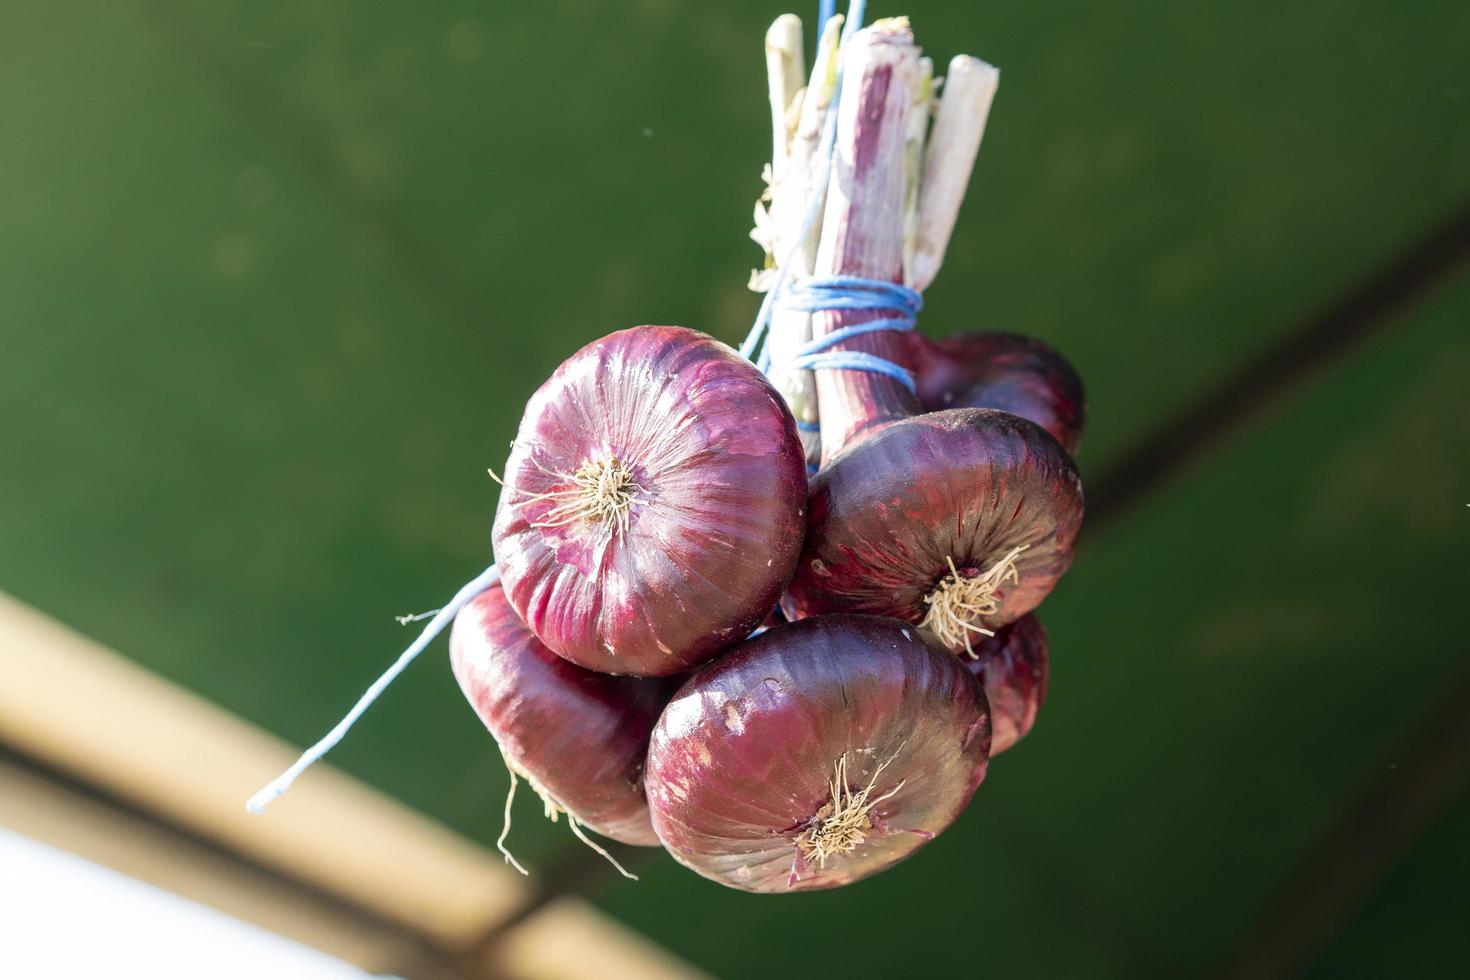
pixel 656 509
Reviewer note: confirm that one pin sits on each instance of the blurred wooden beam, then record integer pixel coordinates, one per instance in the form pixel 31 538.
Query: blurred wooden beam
pixel 569 938
pixel 106 721
pixel 150 754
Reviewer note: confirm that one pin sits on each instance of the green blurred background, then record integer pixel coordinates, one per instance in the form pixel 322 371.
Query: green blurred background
pixel 277 277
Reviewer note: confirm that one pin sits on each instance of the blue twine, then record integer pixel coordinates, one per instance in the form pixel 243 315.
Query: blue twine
pixel 852 360
pixel 257 803
pixel 851 293
pixel 825 12
pixel 854 293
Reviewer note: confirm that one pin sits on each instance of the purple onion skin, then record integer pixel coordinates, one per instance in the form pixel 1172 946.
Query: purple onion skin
pixel 716 525
pixel 741 759
pixel 967 484
pixel 1004 371
pixel 1012 666
pixel 580 734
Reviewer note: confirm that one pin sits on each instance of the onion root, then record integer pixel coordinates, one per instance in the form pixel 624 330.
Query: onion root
pixel 960 602
pixel 602 491
pixel 553 811
pixel 843 822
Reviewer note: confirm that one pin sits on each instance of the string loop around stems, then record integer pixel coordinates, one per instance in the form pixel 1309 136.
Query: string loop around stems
pixel 257 803
pixel 849 293
pixel 815 294
pixel 853 293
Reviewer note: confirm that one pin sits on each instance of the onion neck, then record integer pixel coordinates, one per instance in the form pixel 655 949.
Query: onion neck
pixel 863 229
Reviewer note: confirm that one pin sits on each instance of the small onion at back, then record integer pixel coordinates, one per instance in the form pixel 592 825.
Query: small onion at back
pixel 1005 371
pixel 1012 665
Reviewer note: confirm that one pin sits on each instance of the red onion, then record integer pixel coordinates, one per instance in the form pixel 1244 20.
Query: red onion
pixel 578 737
pixel 1006 371
pixel 962 520
pixel 816 754
pixel 1012 667
pixel 653 503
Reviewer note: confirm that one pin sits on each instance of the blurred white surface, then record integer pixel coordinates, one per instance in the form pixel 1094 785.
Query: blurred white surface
pixel 63 918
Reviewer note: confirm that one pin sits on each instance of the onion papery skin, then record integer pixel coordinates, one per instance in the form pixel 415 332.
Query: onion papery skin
pixel 1005 371
pixel 1012 666
pixel 715 525
pixel 968 485
pixel 742 758
pixel 581 735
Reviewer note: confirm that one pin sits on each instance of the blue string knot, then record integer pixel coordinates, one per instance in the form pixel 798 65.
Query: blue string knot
pixel 828 293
